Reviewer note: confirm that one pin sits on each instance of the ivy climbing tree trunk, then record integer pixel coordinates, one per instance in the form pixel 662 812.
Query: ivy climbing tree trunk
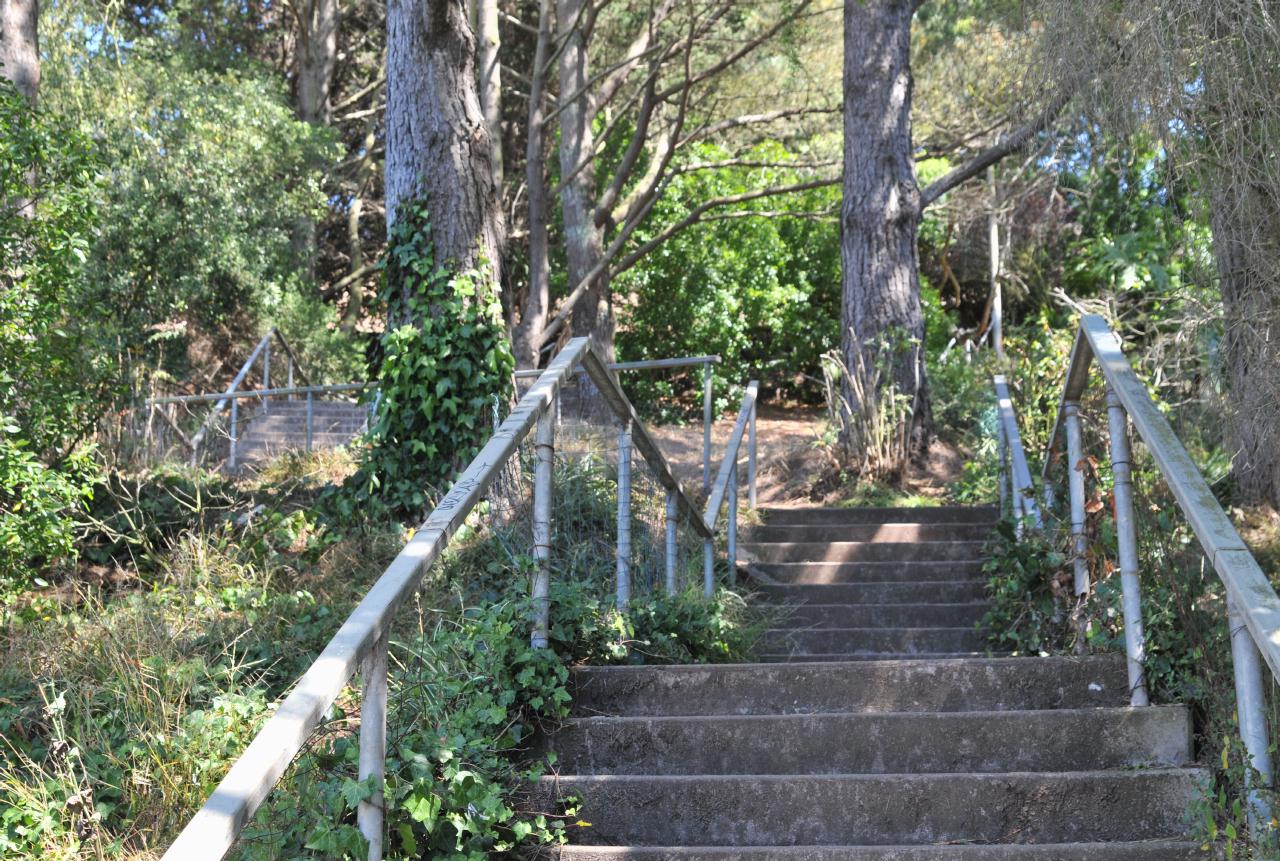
pixel 583 237
pixel 883 322
pixel 437 139
pixel 20 46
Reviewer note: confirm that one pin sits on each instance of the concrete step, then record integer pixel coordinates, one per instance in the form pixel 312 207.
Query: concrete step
pixel 882 641
pixel 964 615
pixel 866 551
pixel 885 532
pixel 981 684
pixel 913 591
pixel 847 657
pixel 1153 850
pixel 872 572
pixel 985 514
pixel 895 743
pixel 754 810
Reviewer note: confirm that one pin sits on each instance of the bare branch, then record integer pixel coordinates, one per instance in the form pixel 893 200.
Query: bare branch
pixel 751 119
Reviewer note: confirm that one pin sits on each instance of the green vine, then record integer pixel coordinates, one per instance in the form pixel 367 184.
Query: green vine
pixel 443 367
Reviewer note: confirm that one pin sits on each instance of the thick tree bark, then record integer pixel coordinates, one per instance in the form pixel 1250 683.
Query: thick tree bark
pixel 1251 308
pixel 584 241
pixel 20 45
pixel 490 80
pixel 316 55
pixel 881 208
pixel 527 334
pixel 437 138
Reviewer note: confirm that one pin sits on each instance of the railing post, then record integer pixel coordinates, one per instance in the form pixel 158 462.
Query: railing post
pixel 706 428
pixel 235 433
pixel 1127 539
pixel 1251 711
pixel 266 376
pixel 733 525
pixel 624 516
pixel 542 489
pixel 1005 475
pixel 311 406
pixel 289 373
pixel 751 459
pixel 673 513
pixel 373 743
pixel 708 567
pixel 1079 545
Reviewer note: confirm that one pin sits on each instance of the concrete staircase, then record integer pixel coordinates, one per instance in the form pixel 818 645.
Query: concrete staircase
pixel 875 726
pixel 284 428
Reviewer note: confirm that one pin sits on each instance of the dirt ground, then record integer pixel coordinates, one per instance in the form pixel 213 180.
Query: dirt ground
pixel 796 467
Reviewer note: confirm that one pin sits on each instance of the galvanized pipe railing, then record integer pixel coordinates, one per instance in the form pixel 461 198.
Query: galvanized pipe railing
pixel 1016 488
pixel 1253 607
pixel 725 492
pixel 361 643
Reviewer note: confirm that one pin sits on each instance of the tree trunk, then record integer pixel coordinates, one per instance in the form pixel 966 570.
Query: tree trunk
pixel 584 242
pixel 490 80
pixel 883 321
pixel 1251 308
pixel 527 334
pixel 20 46
pixel 315 57
pixel 437 139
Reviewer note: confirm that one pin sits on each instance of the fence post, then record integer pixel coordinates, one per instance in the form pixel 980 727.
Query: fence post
pixel 733 523
pixel 1075 485
pixel 289 367
pixel 310 417
pixel 1127 539
pixel 373 743
pixel 708 567
pixel 1251 710
pixel 235 433
pixel 673 513
pixel 266 377
pixel 542 489
pixel 751 459
pixel 624 516
pixel 706 428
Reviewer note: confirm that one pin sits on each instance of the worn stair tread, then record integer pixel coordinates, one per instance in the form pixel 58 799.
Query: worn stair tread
pixel 1088 739
pixel 880 532
pixel 1032 807
pixel 903 641
pixel 920 683
pixel 811 552
pixel 857 657
pixel 870 592
pixel 892 571
pixel 881 615
pixel 933 514
pixel 1145 850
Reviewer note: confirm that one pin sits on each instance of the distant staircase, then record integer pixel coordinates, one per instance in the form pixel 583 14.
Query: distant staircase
pixel 876 726
pixel 283 428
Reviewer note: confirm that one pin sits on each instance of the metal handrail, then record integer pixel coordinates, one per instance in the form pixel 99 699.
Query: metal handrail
pixel 1253 606
pixel 262 349
pixel 361 642
pixel 1015 483
pixel 726 487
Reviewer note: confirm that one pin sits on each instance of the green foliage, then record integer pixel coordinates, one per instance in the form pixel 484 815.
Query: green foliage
pixel 762 293
pixel 1026 607
pixel 51 384
pixel 445 369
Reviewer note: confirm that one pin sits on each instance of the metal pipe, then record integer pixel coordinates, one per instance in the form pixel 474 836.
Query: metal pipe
pixel 645 365
pixel 373 743
pixel 310 417
pixel 1005 475
pixel 1251 710
pixel 733 526
pixel 289 374
pixel 708 567
pixel 1127 539
pixel 706 429
pixel 673 512
pixel 751 459
pixel 1075 484
pixel 234 435
pixel 266 377
pixel 260 393
pixel 624 516
pixel 545 443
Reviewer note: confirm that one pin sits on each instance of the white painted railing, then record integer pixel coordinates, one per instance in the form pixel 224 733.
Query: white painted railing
pixel 360 645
